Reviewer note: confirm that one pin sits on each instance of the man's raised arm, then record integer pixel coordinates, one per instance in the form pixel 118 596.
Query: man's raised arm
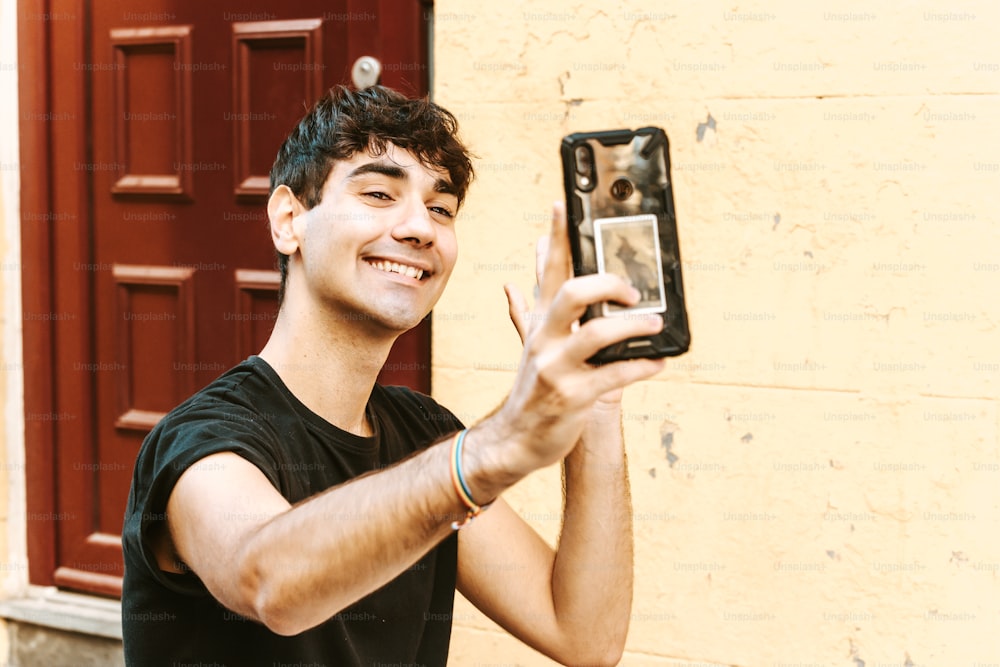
pixel 574 603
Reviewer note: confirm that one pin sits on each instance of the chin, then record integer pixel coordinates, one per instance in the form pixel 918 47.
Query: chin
pixel 398 323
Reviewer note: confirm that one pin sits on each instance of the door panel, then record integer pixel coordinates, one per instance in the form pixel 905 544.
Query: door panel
pixel 151 112
pixel 273 62
pixel 185 105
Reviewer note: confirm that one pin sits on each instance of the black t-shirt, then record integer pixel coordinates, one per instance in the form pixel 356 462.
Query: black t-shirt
pixel 171 619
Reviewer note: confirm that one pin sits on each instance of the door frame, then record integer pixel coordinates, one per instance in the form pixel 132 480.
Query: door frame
pixel 54 229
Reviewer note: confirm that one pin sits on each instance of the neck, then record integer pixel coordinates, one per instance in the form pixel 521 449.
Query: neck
pixel 328 364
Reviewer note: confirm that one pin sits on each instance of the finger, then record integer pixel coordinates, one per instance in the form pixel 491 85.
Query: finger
pixel 541 252
pixel 577 294
pixel 558 260
pixel 518 307
pixel 600 332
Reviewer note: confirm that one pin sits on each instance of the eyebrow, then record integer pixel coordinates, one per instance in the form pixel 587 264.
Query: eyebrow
pixel 394 171
pixel 384 168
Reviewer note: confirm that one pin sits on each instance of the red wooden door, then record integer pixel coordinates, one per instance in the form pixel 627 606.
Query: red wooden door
pixel 184 105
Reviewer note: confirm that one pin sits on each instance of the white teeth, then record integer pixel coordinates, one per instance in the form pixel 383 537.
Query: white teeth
pixel 402 269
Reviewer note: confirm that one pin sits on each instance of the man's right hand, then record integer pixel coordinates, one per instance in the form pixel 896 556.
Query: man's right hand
pixel 555 388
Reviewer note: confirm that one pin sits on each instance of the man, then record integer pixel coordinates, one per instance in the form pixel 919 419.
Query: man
pixel 293 511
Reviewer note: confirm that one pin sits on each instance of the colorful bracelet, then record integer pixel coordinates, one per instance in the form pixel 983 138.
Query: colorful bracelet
pixel 461 487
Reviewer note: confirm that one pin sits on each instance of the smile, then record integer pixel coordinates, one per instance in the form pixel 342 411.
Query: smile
pixel 396 267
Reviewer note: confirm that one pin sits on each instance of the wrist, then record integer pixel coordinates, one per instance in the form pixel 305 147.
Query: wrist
pixel 607 409
pixel 473 508
pixel 603 436
pixel 490 459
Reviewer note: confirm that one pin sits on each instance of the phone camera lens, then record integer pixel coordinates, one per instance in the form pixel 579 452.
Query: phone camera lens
pixel 622 189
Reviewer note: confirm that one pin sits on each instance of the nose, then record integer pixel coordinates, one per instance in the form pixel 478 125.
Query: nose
pixel 415 227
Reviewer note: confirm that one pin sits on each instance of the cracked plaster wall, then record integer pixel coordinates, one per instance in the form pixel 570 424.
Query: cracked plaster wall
pixel 816 482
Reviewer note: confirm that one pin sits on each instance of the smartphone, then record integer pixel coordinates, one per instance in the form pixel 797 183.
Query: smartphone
pixel 620 209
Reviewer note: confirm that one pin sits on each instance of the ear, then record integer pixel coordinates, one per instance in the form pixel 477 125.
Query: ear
pixel 282 207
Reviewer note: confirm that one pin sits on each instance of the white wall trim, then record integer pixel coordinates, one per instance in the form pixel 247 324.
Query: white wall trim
pixel 49 607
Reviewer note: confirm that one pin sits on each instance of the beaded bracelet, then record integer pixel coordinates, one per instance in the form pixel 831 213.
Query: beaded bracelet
pixel 461 487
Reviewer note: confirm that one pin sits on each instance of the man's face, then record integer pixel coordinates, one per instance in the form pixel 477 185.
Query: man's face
pixel 380 246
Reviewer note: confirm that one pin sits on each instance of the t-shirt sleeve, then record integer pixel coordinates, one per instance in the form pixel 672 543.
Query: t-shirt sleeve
pixel 176 444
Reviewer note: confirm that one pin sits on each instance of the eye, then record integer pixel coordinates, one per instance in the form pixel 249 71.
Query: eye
pixel 441 210
pixel 378 194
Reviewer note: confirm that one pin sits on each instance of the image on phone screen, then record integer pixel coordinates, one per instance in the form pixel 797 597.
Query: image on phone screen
pixel 629 247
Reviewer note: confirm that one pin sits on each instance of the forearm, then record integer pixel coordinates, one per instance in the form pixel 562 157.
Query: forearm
pixel 320 556
pixel 592 576
pixel 308 563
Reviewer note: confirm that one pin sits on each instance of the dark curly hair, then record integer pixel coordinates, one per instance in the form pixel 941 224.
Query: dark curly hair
pixel 345 122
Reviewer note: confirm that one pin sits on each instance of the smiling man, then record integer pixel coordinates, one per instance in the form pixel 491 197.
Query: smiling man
pixel 294 511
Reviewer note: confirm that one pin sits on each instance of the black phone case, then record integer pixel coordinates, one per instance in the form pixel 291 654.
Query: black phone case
pixel 622 221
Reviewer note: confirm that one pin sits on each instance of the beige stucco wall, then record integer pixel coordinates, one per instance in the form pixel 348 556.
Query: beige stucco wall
pixel 816 482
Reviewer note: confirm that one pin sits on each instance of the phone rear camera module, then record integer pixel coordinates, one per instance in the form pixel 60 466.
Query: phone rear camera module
pixel 584 167
pixel 622 189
